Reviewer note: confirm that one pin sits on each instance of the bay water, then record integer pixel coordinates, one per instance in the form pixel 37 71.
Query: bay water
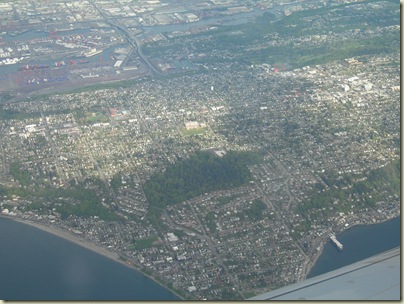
pixel 36 265
pixel 360 242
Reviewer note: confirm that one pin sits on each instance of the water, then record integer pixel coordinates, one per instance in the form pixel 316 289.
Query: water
pixel 360 242
pixel 29 35
pixel 227 20
pixel 25 38
pixel 235 19
pixel 36 265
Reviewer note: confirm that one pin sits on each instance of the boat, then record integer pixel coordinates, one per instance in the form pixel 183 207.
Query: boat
pixel 92 52
pixel 81 61
pixel 334 240
pixel 60 63
pixel 8 61
pixel 75 61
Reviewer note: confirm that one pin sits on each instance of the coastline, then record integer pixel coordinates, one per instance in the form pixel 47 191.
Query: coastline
pixel 88 244
pixel 313 260
pixel 68 236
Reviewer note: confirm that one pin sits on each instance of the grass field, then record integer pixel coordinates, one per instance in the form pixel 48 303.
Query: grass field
pixel 191 132
pixel 94 117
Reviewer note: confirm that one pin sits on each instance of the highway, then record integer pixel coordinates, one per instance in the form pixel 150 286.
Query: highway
pixel 132 39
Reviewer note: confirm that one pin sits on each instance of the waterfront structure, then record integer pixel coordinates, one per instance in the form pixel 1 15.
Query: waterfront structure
pixel 334 240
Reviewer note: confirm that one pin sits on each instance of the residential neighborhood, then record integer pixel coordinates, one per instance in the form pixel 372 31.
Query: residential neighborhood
pixel 77 160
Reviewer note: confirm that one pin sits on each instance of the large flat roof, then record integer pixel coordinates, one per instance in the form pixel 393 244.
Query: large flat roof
pixel 375 278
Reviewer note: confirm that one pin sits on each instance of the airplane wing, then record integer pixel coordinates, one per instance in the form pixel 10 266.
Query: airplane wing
pixel 375 278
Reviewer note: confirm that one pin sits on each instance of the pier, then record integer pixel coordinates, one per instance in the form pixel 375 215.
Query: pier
pixel 334 240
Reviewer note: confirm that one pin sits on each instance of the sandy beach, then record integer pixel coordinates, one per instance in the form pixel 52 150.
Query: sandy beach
pixel 86 244
pixel 69 236
pixel 72 238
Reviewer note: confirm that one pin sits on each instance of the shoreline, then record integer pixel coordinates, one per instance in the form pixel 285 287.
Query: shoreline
pixel 316 256
pixel 68 236
pixel 88 244
pixel 313 260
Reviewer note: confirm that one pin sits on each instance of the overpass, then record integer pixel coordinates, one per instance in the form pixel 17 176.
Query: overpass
pixel 132 39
